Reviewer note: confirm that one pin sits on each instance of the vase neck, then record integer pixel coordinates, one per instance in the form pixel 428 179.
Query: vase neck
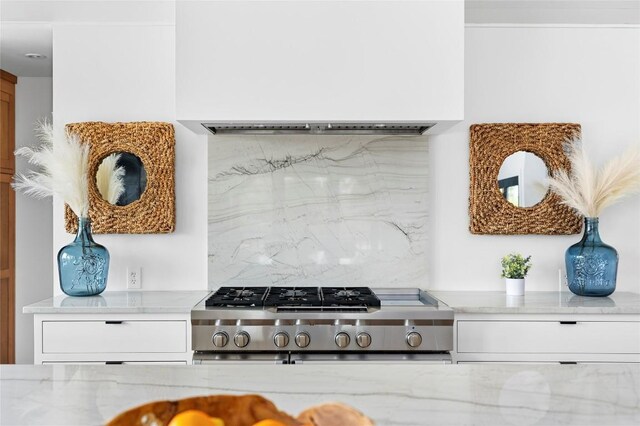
pixel 591 232
pixel 84 235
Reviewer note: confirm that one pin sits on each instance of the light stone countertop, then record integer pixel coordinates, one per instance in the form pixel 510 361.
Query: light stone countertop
pixel 486 302
pixel 120 302
pixel 397 394
pixel 538 302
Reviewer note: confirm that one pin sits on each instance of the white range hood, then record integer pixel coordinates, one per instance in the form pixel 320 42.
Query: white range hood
pixel 319 67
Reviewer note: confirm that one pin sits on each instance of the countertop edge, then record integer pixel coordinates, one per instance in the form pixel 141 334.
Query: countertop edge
pixel 537 303
pixel 123 302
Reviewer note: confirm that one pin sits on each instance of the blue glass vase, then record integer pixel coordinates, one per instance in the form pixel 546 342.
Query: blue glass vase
pixel 592 266
pixel 83 265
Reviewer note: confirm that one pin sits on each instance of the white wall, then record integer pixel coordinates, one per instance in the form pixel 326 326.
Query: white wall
pixel 126 72
pixel 584 75
pixel 33 217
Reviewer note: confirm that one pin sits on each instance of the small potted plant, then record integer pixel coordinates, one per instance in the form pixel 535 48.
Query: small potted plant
pixel 514 269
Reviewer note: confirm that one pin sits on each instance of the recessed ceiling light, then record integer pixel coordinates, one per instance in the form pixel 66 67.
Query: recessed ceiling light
pixel 34 56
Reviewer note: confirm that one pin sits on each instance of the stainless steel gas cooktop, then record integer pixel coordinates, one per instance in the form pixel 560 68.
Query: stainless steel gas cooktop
pixel 288 323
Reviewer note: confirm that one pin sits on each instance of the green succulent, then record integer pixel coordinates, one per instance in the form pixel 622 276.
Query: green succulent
pixel 515 265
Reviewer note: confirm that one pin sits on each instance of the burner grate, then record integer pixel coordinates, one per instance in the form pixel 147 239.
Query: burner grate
pixel 237 297
pixel 356 299
pixel 293 297
pixel 349 297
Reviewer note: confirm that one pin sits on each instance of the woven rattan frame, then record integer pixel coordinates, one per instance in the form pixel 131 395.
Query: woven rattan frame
pixel 489 146
pixel 154 144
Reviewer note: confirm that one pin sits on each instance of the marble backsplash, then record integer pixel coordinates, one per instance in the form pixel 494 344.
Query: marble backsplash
pixel 317 210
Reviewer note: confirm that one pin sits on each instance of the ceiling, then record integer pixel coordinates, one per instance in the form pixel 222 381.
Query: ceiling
pixel 26 25
pixel 18 39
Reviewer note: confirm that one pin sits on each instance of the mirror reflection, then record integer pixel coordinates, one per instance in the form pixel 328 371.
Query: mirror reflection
pixel 121 178
pixel 523 179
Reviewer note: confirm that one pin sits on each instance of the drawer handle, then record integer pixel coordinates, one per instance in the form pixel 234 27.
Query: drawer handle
pixel 568 363
pixel 568 322
pixel 114 362
pixel 113 322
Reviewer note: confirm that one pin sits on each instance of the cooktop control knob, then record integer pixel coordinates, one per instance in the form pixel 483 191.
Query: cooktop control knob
pixel 303 339
pixel 220 339
pixel 281 339
pixel 363 340
pixel 342 340
pixel 241 339
pixel 414 339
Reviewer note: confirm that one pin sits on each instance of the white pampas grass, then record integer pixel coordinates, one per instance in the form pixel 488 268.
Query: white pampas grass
pixel 109 179
pixel 63 162
pixel 589 190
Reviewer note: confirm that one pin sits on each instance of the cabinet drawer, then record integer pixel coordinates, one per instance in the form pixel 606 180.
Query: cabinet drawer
pixel 549 337
pixel 113 336
pixel 119 363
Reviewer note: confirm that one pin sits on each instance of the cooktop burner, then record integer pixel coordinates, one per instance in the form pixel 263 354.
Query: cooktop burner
pixel 231 297
pixel 349 296
pixel 294 298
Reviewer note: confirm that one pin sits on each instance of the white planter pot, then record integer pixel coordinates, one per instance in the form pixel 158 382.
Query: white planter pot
pixel 515 286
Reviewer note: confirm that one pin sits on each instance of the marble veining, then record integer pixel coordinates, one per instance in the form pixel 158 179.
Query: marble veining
pixel 400 394
pixel 317 210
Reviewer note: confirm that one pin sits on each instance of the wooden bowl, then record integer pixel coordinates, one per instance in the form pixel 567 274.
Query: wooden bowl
pixel 244 410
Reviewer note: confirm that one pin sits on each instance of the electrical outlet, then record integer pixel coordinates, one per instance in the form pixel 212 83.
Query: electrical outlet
pixel 134 278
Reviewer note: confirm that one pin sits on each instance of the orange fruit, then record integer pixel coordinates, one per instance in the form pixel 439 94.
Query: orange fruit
pixel 195 418
pixel 269 422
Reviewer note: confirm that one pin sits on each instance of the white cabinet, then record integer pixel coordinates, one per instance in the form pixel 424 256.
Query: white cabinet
pixel 319 60
pixel 112 338
pixel 546 338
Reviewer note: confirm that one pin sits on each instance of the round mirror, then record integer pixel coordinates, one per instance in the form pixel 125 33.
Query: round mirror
pixel 121 178
pixel 523 179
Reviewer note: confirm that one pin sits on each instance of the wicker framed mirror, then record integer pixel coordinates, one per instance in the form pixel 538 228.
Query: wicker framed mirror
pixel 493 208
pixel 144 152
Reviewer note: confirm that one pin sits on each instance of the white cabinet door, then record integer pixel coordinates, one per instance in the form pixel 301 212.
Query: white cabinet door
pixel 595 337
pixel 66 337
pixel 118 363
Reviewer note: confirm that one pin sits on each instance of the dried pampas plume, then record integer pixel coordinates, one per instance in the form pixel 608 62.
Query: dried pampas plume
pixel 109 179
pixel 589 190
pixel 63 163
